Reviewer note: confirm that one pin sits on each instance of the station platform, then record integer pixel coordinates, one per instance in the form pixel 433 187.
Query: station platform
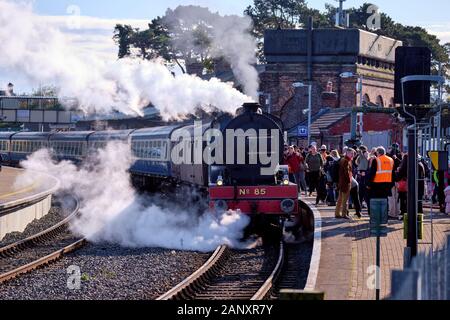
pixel 21 205
pixel 344 253
pixel 10 194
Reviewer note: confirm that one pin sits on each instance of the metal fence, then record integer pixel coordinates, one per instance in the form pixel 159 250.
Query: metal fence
pixel 428 277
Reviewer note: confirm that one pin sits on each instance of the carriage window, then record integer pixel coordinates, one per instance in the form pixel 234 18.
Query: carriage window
pixel 141 149
pixel 164 148
pixel 146 149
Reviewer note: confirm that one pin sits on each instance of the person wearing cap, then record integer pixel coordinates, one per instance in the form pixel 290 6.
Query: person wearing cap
pixel 315 164
pixel 381 176
pixel 344 185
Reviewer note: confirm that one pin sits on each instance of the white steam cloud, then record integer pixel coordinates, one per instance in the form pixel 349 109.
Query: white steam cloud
pixel 111 211
pixel 230 39
pixel 32 48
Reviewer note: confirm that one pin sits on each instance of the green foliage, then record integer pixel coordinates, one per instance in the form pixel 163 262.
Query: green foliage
pixel 282 14
pixel 190 41
pixel 46 91
pixel 170 38
pixel 85 277
pixel 122 37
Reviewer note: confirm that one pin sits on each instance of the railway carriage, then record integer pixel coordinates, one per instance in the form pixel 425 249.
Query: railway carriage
pixel 23 144
pixel 150 149
pixel 71 146
pixel 193 170
pixel 99 140
pixel 5 143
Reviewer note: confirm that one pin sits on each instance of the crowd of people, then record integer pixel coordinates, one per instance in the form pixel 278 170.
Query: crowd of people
pixel 348 180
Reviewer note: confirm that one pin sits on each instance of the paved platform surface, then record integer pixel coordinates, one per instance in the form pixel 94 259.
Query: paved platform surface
pixel 8 192
pixel 347 259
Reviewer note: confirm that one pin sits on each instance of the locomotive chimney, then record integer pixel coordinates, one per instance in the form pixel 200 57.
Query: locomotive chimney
pixel 252 107
pixel 9 89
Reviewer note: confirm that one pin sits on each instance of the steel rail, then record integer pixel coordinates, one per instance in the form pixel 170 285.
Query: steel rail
pixel 269 284
pixel 30 242
pixel 42 261
pixel 185 289
pixel 47 234
pixel 198 281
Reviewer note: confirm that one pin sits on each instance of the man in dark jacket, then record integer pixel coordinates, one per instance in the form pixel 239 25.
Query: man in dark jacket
pixel 344 184
pixel 315 165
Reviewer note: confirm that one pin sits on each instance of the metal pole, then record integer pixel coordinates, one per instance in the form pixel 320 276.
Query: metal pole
pixel 378 276
pixel 412 200
pixel 360 91
pixel 354 124
pixel 309 112
pixel 439 126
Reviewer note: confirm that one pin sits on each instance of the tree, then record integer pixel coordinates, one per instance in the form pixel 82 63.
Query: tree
pixel 283 14
pixel 170 37
pixel 122 36
pixel 46 91
pixel 274 14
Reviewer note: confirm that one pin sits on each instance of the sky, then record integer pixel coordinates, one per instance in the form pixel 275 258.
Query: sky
pixel 93 30
pixel 415 12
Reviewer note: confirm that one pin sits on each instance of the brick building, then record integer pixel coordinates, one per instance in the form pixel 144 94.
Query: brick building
pixel 319 57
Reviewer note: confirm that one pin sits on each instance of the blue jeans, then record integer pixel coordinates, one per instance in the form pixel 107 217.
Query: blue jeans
pixel 301 181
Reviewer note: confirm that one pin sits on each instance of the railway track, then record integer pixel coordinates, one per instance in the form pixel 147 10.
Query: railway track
pixel 49 245
pixel 229 274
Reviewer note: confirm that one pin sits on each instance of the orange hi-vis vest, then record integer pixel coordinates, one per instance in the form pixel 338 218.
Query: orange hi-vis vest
pixel 385 165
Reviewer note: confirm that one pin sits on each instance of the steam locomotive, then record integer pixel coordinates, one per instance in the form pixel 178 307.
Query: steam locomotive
pixel 245 175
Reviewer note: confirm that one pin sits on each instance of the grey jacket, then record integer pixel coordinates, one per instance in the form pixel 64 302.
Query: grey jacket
pixel 315 163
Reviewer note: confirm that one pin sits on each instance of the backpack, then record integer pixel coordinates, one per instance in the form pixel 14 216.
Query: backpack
pixel 334 171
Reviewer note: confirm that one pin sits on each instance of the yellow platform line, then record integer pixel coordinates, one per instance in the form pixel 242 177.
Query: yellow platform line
pixel 28 189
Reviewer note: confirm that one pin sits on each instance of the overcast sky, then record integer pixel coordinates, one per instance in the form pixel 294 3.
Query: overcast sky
pixel 93 31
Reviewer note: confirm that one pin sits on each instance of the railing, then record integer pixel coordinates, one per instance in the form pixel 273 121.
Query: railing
pixel 428 277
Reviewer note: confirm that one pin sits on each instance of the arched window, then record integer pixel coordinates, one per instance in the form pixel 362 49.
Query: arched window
pixel 366 99
pixel 380 102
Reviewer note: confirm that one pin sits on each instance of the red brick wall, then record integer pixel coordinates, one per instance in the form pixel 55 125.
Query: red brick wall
pixel 372 122
pixel 288 103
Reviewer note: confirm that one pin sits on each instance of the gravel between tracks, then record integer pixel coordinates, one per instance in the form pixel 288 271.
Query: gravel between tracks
pixel 54 216
pixel 244 272
pixel 108 272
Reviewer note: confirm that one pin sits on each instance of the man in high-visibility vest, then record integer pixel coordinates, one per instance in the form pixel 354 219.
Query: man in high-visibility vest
pixel 381 176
